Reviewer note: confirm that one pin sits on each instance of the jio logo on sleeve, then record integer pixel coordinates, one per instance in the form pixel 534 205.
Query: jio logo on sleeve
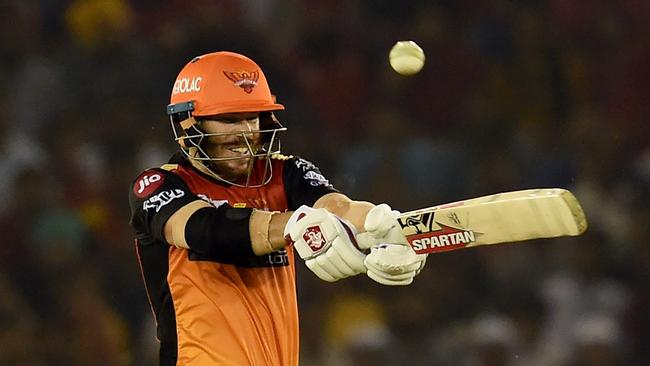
pixel 147 183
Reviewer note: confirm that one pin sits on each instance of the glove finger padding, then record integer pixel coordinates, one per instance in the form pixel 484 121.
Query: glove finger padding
pixel 379 220
pixel 393 264
pixel 352 255
pixel 393 269
pixel 381 227
pixel 326 243
pixel 319 271
pixel 394 258
pixel 391 280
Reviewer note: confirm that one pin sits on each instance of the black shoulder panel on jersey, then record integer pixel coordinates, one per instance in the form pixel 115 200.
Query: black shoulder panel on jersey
pixel 155 195
pixel 304 184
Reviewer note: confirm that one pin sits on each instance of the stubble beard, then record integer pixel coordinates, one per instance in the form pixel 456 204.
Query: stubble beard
pixel 237 169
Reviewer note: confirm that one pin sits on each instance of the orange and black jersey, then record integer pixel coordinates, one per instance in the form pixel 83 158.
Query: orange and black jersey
pixel 219 304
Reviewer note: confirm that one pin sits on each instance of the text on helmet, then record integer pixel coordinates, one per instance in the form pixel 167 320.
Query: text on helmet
pixel 185 85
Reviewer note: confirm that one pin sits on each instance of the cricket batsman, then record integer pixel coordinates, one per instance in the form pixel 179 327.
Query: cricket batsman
pixel 217 225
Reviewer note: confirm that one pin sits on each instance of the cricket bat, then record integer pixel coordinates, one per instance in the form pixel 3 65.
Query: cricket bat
pixel 498 218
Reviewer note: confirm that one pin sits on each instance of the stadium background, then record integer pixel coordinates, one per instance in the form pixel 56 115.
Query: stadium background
pixel 513 95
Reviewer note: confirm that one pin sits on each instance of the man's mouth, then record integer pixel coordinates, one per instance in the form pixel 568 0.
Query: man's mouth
pixel 240 150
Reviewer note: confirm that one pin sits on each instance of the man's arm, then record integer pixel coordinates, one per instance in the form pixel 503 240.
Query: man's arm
pixel 164 209
pixel 387 264
pixel 340 205
pixel 267 231
pixel 174 230
pixel 267 228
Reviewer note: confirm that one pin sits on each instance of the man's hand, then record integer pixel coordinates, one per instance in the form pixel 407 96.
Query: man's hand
pixel 326 243
pixel 394 264
pixel 391 261
pixel 381 227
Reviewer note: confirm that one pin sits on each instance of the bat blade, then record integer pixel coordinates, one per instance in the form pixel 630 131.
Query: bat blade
pixel 498 218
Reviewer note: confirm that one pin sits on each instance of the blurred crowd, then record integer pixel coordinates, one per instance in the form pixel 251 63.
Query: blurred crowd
pixel 514 95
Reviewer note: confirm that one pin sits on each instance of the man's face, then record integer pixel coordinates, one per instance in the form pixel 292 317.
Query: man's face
pixel 233 145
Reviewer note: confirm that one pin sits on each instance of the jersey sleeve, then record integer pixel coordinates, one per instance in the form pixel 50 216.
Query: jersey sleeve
pixel 154 197
pixel 304 183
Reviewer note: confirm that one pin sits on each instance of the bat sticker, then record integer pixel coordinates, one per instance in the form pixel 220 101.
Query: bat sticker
pixel 425 235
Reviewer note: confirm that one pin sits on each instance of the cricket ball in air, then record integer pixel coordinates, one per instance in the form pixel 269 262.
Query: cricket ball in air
pixel 406 58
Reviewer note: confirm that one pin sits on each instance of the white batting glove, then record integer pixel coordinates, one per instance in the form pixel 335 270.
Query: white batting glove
pixel 326 243
pixel 381 227
pixel 394 264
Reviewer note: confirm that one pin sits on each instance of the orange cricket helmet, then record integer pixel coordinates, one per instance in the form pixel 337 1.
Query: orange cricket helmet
pixel 221 82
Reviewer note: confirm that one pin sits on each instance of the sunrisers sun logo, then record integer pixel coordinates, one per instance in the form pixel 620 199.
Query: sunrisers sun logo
pixel 246 80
